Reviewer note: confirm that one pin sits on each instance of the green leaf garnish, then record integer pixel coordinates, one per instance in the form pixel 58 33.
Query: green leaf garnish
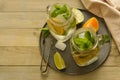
pixel 85 42
pixel 61 10
pixel 45 32
pixel 89 37
pixel 106 38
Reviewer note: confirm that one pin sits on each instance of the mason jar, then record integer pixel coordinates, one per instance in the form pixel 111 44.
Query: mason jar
pixel 85 46
pixel 61 21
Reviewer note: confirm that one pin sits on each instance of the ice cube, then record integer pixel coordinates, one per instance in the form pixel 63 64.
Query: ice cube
pixel 60 45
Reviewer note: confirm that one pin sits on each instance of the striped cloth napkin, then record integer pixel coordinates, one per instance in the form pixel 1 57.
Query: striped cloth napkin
pixel 110 11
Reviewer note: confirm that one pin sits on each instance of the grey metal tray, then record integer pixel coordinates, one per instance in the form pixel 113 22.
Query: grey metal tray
pixel 71 68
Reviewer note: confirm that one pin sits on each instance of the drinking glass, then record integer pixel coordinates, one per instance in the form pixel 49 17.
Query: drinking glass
pixel 61 22
pixel 85 44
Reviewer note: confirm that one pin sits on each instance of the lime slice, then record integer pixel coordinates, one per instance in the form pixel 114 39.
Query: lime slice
pixel 59 62
pixel 78 15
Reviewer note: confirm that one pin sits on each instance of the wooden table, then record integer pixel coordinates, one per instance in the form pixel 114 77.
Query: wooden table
pixel 20 58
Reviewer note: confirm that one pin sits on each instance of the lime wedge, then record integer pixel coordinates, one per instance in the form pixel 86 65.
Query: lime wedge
pixel 78 15
pixel 59 62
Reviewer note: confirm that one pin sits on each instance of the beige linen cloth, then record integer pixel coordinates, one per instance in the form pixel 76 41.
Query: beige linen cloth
pixel 110 11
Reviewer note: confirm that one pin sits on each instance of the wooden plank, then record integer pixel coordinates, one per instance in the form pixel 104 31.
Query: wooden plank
pixel 19 37
pixel 33 5
pixel 112 61
pixel 114 57
pixel 33 73
pixel 18 20
pixel 30 55
pixel 20 55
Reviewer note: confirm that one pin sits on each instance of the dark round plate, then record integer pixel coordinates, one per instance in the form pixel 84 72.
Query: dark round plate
pixel 47 46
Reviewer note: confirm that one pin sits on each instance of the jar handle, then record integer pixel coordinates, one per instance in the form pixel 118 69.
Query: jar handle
pixel 102 39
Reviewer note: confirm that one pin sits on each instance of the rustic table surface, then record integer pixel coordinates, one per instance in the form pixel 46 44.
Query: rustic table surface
pixel 20 58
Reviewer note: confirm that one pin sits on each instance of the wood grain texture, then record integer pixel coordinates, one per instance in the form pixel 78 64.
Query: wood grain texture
pixel 22 20
pixel 21 55
pixel 19 37
pixel 33 73
pixel 33 5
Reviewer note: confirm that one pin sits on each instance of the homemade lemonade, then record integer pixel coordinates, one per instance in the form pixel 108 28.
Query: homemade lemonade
pixel 61 22
pixel 84 46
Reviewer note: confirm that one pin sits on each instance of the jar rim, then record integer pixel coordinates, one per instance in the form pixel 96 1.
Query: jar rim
pixel 83 30
pixel 59 23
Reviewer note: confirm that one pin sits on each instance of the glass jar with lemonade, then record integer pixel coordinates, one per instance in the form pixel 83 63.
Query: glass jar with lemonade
pixel 61 22
pixel 84 46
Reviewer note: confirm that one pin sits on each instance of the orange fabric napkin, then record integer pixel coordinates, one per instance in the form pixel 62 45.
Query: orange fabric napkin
pixel 110 11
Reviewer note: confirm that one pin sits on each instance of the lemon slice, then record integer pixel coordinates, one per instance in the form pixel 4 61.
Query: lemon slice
pixel 59 62
pixel 78 15
pixel 58 29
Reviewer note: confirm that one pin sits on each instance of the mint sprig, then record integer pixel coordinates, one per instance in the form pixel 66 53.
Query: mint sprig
pixel 60 10
pixel 45 32
pixel 106 38
pixel 89 36
pixel 85 42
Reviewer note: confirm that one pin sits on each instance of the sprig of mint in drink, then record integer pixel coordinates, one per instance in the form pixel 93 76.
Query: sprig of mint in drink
pixel 45 32
pixel 61 10
pixel 104 39
pixel 85 42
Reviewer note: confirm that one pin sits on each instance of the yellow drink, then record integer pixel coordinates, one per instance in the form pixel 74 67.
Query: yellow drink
pixel 86 60
pixel 84 46
pixel 61 22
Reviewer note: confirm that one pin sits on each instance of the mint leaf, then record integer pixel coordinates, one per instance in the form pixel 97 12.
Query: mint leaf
pixel 61 10
pixel 83 43
pixel 106 38
pixel 56 13
pixel 45 32
pixel 89 37
pixel 58 10
pixel 57 6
